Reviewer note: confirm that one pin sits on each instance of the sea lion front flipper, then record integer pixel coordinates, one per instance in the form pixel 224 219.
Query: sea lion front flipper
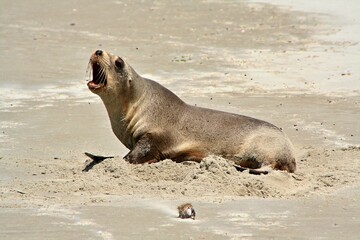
pixel 144 151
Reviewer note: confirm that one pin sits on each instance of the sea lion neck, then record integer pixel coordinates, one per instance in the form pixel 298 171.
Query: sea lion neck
pixel 120 104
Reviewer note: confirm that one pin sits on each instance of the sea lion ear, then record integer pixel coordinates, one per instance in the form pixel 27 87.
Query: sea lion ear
pixel 119 63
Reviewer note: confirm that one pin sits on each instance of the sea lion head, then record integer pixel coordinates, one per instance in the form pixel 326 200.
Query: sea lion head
pixel 110 74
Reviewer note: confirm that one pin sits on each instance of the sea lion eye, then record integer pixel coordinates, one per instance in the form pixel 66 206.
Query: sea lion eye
pixel 119 63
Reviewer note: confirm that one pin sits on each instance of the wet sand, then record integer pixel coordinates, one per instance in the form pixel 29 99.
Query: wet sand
pixel 321 218
pixel 296 67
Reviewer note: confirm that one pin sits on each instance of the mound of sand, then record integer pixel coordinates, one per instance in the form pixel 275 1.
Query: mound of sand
pixel 62 181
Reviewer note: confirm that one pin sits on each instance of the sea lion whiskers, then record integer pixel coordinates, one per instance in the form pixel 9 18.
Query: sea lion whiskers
pixel 88 72
pixel 104 62
pixel 96 70
pixel 99 73
pixel 102 76
pixel 107 62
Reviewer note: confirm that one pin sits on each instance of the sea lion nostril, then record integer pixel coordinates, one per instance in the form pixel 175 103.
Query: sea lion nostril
pixel 98 52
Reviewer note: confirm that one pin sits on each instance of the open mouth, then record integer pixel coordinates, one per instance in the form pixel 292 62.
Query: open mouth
pixel 98 76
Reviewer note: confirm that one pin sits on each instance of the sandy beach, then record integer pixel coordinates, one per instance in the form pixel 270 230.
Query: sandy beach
pixel 296 66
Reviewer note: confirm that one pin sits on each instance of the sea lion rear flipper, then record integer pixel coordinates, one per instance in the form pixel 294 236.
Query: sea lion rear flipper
pixel 95 160
pixel 251 171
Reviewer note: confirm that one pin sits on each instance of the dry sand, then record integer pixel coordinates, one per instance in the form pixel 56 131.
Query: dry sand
pixel 62 181
pixel 296 69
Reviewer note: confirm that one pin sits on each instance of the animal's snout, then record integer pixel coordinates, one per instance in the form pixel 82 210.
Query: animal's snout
pixel 98 52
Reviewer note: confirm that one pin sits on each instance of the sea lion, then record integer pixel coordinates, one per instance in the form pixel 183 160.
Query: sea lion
pixel 155 124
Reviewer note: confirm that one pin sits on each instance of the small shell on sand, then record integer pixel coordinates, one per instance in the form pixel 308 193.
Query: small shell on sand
pixel 186 210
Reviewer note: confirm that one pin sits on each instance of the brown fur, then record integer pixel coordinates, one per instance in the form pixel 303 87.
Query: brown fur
pixel 155 124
